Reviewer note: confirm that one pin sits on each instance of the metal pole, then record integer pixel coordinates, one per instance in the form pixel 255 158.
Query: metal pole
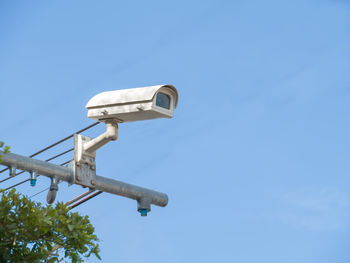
pixel 131 191
pixel 102 183
pixel 41 167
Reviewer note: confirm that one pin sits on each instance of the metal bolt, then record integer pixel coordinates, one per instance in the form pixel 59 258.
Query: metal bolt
pixel 143 212
pixel 33 176
pixel 32 182
pixel 54 184
pixel 93 182
pixel 12 171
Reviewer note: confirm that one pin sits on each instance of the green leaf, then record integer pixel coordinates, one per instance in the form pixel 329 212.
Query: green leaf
pixel 7 149
pixel 70 227
pixel 40 231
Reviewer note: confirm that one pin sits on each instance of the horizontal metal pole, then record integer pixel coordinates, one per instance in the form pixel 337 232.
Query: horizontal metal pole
pixel 131 191
pixel 67 174
pixel 41 167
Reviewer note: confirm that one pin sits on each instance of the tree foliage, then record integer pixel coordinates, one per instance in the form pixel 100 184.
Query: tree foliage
pixel 30 232
pixel 4 148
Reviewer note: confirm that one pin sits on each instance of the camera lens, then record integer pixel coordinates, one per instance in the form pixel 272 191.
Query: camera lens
pixel 163 100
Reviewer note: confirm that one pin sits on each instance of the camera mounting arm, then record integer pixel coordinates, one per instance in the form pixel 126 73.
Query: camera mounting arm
pixel 111 134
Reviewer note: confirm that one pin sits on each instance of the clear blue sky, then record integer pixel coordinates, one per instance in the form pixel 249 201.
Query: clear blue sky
pixel 256 159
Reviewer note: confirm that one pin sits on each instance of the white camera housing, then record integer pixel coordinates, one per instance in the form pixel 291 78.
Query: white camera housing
pixel 134 104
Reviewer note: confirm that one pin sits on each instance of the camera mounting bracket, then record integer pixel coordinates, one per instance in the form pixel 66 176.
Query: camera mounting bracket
pixel 84 163
pixel 85 154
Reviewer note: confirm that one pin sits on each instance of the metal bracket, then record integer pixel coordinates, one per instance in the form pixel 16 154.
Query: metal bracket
pixel 144 205
pixel 84 163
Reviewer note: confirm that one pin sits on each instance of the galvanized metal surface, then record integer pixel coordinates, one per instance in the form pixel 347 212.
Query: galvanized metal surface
pixel 102 183
pixel 131 191
pixel 41 167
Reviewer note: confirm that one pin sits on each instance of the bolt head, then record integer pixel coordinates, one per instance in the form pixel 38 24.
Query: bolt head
pixel 143 212
pixel 32 182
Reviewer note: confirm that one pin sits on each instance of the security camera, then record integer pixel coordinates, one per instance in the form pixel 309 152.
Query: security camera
pixel 134 104
pixel 114 107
